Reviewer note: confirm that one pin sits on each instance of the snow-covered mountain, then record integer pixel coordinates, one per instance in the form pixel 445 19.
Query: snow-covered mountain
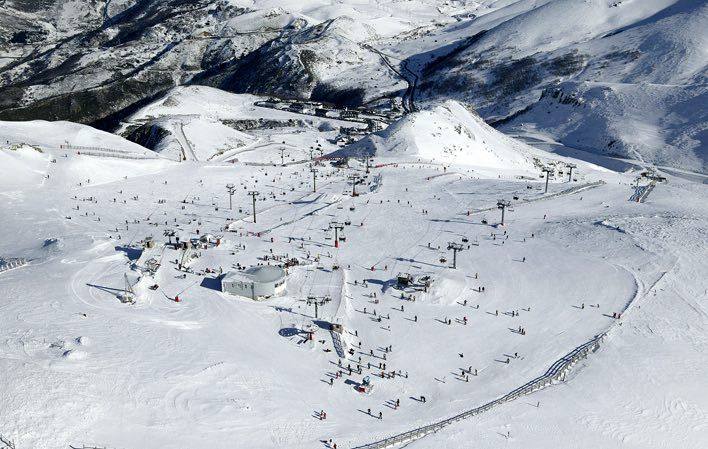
pixel 625 78
pixel 461 258
pixel 448 133
pixel 616 77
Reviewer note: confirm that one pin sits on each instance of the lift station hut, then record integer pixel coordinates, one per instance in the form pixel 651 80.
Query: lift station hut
pixel 257 283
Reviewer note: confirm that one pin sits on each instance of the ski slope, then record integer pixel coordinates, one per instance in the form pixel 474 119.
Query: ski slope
pixel 83 368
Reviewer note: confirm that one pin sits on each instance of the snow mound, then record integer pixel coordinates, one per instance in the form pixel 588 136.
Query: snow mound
pixel 446 133
pixel 21 165
pixel 448 288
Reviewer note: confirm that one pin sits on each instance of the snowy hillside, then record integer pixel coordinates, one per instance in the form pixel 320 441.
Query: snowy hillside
pixel 113 336
pixel 301 224
pixel 448 133
pixel 204 123
pixel 29 152
pixel 55 134
pixel 622 78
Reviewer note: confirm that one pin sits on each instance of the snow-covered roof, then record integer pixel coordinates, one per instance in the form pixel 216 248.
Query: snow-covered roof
pixel 262 275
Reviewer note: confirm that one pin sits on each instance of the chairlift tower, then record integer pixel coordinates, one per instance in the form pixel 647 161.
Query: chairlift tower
pixel 169 233
pixel 337 227
pixel 317 301
pixel 570 171
pixel 547 171
pixel 231 189
pixel 128 293
pixel 455 247
pixel 354 179
pixel 503 204
pixel 282 156
pixel 314 179
pixel 254 194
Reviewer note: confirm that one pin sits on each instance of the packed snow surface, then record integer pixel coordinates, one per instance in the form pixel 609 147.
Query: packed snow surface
pixel 113 336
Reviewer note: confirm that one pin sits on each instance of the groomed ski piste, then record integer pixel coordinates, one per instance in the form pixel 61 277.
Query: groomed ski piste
pixel 110 336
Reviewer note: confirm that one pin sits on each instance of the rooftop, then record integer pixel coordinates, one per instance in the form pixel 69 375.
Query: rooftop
pixel 261 274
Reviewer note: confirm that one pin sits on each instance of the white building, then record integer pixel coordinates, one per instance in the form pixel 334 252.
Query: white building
pixel 256 282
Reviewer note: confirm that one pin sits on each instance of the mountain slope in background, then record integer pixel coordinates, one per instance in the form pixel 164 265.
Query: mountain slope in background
pixel 625 78
pixel 617 77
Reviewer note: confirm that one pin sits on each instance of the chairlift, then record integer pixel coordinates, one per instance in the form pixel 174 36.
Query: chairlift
pixel 443 260
pixel 465 240
pixel 484 221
